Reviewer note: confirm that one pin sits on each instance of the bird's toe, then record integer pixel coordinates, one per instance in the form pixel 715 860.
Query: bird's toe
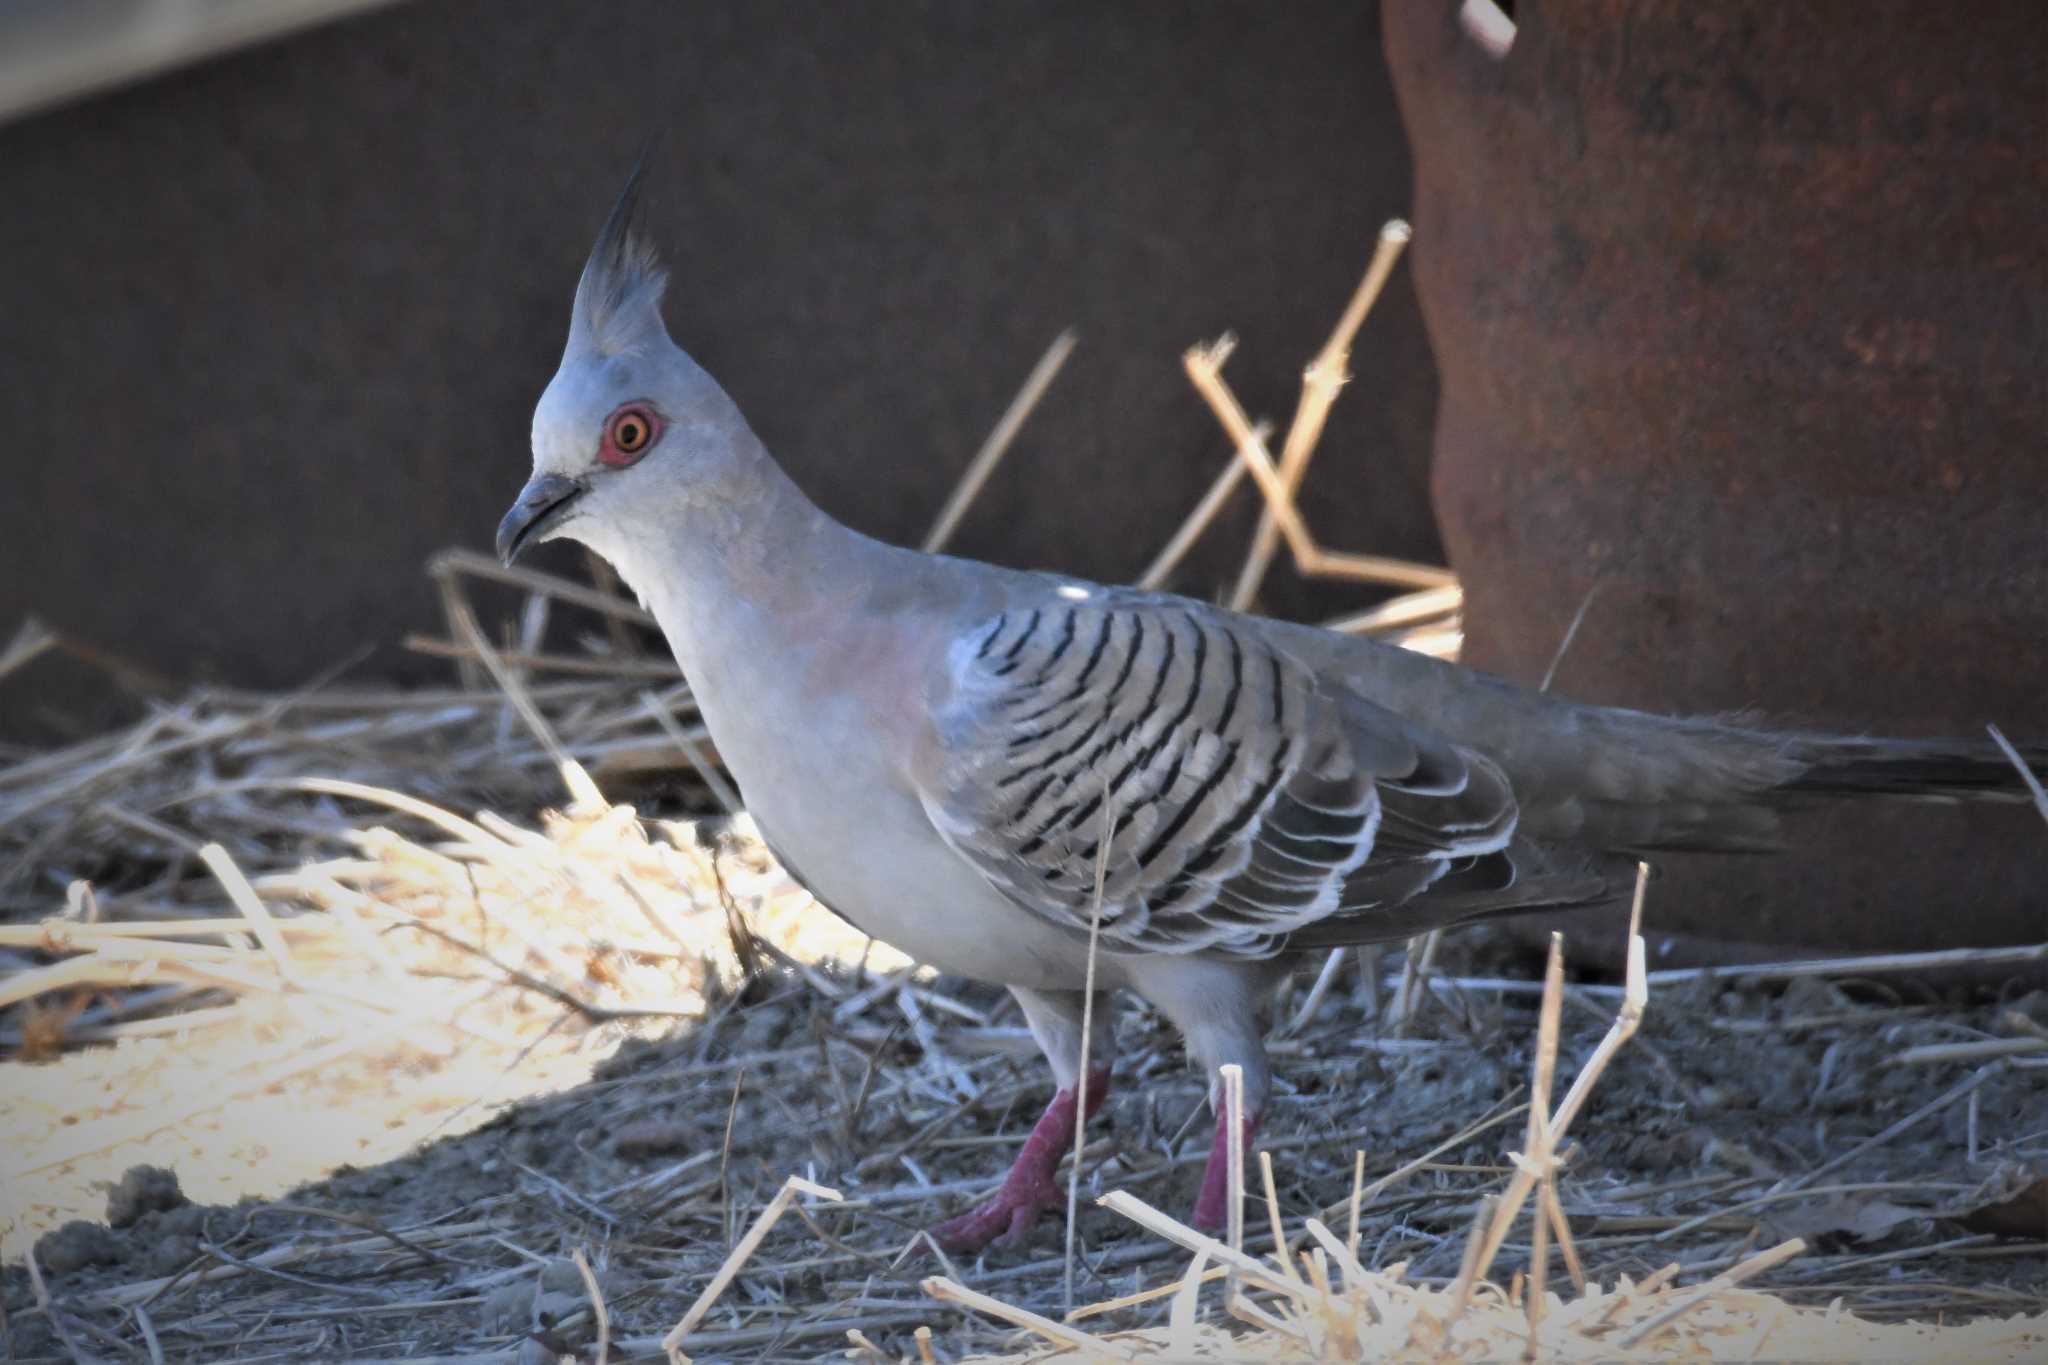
pixel 1004 1220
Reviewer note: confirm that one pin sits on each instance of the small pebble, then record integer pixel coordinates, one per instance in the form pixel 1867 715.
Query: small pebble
pixel 188 1220
pixel 75 1246
pixel 171 1255
pixel 552 1307
pixel 655 1137
pixel 562 1277
pixel 144 1189
pixel 508 1309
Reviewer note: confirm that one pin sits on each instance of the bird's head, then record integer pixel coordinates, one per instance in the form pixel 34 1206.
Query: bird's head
pixel 630 426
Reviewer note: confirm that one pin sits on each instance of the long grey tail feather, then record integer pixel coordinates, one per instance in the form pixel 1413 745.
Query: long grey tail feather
pixel 1939 769
pixel 1826 768
pixel 1562 872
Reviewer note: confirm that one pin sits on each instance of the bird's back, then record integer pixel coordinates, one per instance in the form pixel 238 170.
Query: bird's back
pixel 1084 686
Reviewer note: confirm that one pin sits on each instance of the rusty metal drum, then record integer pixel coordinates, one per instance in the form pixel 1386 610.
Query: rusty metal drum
pixel 1738 310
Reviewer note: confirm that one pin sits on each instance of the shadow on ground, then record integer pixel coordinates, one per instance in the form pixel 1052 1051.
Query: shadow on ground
pixel 909 1096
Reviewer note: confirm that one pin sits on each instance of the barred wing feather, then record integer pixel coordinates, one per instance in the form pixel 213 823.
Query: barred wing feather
pixel 1242 797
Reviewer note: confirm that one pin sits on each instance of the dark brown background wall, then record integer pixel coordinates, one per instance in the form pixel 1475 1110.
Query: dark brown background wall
pixel 271 327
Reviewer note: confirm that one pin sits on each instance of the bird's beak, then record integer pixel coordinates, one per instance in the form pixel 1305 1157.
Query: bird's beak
pixel 540 507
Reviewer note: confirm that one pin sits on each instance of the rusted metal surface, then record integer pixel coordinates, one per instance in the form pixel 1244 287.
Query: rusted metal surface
pixel 1738 314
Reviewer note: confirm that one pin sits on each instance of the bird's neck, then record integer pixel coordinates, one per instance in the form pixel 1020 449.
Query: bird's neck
pixel 741 570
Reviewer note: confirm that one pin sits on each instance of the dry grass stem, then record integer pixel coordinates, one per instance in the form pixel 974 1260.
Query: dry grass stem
pixel 1539 1150
pixel 991 453
pixel 1326 977
pixel 1750 974
pixel 2026 773
pixel 1325 375
pixel 31 641
pixel 1416 963
pixel 1059 1333
pixel 1280 1248
pixel 1720 1284
pixel 1535 1163
pixel 1933 1053
pixel 1352 1205
pixel 1169 1289
pixel 1190 530
pixel 1231 1077
pixel 721 790
pixel 1187 1296
pixel 597 1309
pixel 463 621
pixel 1204 365
pixel 1087 1037
pixel 1926 1111
pixel 1246 1268
pixel 1940 960
pixel 1505 1114
pixel 737 1260
pixel 447 565
pixel 651 669
pixel 1281 483
pixel 1409 609
pixel 1635 998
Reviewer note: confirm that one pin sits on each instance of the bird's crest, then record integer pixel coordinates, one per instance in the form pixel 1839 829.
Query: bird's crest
pixel 618 300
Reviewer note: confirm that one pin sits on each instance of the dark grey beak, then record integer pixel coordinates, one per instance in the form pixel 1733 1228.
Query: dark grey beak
pixel 541 506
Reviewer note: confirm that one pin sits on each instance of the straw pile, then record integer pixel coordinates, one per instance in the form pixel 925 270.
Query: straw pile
pixel 257 971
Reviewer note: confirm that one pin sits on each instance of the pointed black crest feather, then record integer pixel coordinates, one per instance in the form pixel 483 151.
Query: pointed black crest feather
pixel 619 297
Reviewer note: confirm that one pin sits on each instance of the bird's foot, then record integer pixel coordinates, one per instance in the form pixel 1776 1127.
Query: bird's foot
pixel 1030 1188
pixel 1003 1220
pixel 1213 1204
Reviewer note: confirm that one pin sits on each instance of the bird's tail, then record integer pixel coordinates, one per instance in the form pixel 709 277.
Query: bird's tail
pixel 1634 782
pixel 1928 769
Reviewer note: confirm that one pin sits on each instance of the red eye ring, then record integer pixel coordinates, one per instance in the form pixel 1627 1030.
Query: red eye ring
pixel 628 433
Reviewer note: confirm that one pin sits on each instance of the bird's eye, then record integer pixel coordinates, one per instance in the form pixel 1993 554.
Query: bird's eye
pixel 627 434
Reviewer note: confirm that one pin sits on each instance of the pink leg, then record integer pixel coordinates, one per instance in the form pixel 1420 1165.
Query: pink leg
pixel 1029 1189
pixel 1213 1203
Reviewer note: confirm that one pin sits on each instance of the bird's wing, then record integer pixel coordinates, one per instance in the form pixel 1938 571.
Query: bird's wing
pixel 1240 796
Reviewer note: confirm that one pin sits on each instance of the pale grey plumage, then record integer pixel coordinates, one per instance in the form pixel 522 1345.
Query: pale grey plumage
pixel 939 748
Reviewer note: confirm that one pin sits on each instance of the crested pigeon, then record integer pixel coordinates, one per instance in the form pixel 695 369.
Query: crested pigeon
pixel 990 768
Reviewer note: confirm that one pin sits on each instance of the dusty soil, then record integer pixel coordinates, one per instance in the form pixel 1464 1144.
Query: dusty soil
pixel 908 1096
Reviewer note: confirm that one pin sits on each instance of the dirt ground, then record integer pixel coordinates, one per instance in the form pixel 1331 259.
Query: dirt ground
pixel 424 1194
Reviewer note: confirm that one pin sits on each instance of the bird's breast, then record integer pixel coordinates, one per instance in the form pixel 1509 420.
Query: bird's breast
pixel 817 740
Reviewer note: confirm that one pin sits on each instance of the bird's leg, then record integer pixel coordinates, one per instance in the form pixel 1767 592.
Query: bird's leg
pixel 1216 1004
pixel 1055 1018
pixel 1030 1188
pixel 1212 1204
